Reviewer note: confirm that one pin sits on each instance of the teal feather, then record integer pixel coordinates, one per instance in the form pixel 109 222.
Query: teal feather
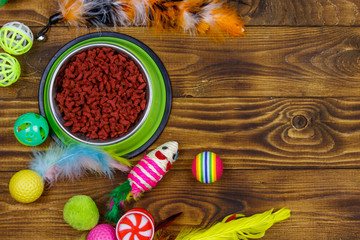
pixel 73 161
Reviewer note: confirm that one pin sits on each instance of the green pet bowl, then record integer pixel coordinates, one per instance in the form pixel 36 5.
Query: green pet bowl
pixel 158 94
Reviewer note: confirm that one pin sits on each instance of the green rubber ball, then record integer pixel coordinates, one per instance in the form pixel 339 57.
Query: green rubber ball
pixel 81 213
pixel 31 129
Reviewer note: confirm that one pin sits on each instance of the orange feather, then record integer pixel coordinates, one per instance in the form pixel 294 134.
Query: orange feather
pixel 72 11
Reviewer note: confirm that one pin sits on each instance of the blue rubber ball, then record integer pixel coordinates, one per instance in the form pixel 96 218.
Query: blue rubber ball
pixel 31 129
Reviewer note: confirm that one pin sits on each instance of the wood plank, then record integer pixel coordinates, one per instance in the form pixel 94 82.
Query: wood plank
pixel 299 13
pixel 332 204
pixel 262 132
pixel 276 62
pixel 254 12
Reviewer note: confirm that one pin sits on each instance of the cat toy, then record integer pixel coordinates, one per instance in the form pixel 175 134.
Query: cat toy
pixel 232 227
pixel 10 70
pixel 203 17
pixel 16 38
pixel 26 186
pixel 75 160
pixel 102 232
pixel 62 162
pixel 136 224
pixel 81 213
pixel 143 177
pixel 31 129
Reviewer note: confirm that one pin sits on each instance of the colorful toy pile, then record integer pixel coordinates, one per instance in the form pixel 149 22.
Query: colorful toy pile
pixel 73 160
pixel 143 177
pixel 15 38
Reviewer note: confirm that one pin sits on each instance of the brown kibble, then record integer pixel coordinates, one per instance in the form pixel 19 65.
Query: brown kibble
pixel 101 93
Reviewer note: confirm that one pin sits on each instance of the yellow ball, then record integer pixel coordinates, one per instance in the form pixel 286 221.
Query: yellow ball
pixel 26 186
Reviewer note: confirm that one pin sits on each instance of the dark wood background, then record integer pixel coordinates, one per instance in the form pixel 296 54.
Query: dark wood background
pixel 245 99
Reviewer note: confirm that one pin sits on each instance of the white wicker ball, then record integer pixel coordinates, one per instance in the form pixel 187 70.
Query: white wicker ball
pixel 16 38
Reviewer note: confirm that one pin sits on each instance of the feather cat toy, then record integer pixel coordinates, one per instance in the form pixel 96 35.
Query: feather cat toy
pixel 233 227
pixel 143 177
pixel 203 17
pixel 73 161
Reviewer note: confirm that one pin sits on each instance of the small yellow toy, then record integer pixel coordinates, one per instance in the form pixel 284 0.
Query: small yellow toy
pixel 16 38
pixel 10 70
pixel 26 186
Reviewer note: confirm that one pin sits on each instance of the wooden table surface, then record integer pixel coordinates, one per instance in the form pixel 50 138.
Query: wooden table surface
pixel 240 99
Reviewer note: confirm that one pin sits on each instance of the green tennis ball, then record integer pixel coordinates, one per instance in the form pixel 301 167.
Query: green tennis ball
pixel 81 213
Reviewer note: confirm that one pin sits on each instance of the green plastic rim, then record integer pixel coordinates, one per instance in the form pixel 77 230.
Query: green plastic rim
pixel 159 111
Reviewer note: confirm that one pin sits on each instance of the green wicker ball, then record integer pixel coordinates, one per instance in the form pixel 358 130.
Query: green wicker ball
pixel 81 213
pixel 10 70
pixel 16 38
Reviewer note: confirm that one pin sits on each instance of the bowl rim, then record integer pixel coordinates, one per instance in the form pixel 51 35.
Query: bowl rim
pixel 165 82
pixel 142 117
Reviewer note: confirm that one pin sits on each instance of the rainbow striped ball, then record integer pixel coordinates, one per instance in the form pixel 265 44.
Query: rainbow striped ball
pixel 207 167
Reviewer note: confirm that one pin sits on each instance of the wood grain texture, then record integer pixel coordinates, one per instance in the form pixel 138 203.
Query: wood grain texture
pixel 265 63
pixel 332 208
pixel 280 106
pixel 300 12
pixel 260 132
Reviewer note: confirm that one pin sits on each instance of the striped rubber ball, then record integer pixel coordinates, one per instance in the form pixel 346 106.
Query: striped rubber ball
pixel 207 167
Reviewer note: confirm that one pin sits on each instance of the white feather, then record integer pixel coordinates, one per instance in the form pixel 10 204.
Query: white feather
pixel 141 12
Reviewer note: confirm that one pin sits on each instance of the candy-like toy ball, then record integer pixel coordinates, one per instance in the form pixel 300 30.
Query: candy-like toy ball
pixel 16 38
pixel 102 232
pixel 207 167
pixel 10 70
pixel 31 129
pixel 137 224
pixel 26 186
pixel 81 213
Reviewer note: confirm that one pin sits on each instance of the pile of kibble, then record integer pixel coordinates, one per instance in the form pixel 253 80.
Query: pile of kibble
pixel 101 93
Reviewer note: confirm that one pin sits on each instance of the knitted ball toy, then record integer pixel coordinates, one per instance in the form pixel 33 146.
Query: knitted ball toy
pixel 207 167
pixel 102 232
pixel 10 70
pixel 16 38
pixel 31 129
pixel 81 213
